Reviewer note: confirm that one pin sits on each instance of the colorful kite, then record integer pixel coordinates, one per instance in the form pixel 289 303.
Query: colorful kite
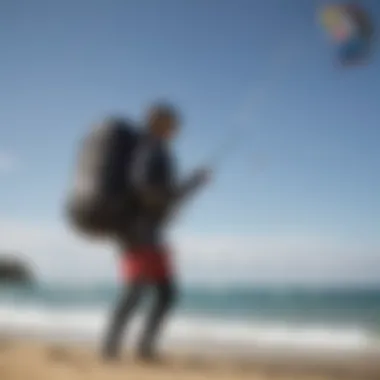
pixel 351 30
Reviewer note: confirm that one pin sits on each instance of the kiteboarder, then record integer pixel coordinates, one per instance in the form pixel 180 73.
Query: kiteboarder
pixel 146 260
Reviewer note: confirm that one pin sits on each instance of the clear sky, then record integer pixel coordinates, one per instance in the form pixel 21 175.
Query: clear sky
pixel 308 162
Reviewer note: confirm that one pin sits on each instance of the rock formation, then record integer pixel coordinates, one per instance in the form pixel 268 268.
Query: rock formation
pixel 14 270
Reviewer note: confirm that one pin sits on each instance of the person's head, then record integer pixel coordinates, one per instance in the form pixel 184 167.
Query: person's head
pixel 163 120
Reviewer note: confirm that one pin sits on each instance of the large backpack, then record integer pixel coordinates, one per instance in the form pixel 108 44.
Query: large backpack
pixel 101 198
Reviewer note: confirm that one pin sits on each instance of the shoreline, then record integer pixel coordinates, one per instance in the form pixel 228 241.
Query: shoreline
pixel 238 348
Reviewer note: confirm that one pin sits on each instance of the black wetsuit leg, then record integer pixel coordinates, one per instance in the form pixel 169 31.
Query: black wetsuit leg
pixel 125 308
pixel 163 302
pixel 164 297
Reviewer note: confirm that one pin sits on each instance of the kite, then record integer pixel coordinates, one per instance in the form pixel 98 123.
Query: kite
pixel 351 30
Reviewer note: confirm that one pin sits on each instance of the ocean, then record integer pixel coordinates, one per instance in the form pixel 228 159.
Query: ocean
pixel 241 317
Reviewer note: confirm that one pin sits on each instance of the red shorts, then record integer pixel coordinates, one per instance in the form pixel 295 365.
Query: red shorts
pixel 147 264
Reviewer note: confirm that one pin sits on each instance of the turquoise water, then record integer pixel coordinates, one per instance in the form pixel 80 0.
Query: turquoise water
pixel 243 318
pixel 354 308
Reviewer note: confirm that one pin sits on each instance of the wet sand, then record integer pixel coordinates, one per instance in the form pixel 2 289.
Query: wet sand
pixel 36 360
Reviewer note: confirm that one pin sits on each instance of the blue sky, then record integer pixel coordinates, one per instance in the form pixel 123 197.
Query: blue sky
pixel 264 68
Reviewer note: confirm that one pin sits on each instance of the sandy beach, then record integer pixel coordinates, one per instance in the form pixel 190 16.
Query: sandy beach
pixel 33 360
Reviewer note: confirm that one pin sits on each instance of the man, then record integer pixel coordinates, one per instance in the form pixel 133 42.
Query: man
pixel 146 260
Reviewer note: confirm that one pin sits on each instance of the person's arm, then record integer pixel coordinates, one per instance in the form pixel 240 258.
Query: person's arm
pixel 187 189
pixel 152 178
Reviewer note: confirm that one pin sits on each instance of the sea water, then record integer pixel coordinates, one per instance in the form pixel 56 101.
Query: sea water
pixel 247 317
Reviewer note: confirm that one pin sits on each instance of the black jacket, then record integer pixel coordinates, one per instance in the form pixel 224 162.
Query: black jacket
pixel 154 179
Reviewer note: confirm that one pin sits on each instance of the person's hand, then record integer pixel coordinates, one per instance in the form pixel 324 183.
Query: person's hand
pixel 198 178
pixel 202 176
